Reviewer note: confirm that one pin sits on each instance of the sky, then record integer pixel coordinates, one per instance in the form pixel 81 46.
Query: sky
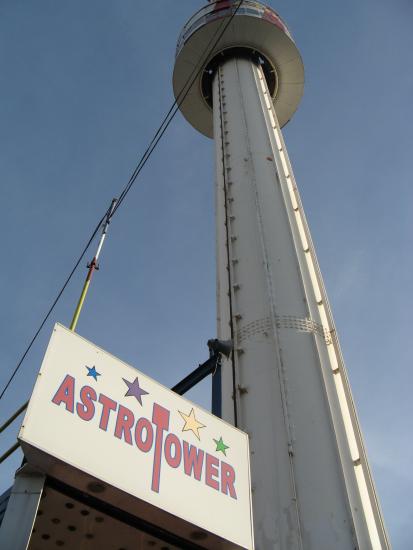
pixel 83 87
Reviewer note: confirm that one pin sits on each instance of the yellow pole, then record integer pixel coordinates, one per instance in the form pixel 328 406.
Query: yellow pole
pixel 80 302
pixel 92 266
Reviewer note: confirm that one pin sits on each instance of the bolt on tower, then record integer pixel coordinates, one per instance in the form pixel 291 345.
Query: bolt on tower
pixel 286 383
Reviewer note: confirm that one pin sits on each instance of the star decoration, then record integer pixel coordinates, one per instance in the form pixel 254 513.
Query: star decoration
pixel 134 390
pixel 191 423
pixel 91 371
pixel 221 445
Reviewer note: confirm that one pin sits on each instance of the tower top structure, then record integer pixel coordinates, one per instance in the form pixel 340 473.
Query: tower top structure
pixel 256 32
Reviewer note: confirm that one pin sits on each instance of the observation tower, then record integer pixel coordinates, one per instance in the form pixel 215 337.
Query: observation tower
pixel 285 383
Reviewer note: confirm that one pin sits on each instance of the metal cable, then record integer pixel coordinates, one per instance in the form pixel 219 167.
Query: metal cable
pixel 176 105
pixel 52 307
pixel 145 157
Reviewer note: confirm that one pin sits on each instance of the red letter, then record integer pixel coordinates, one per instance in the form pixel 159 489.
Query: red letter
pixel 124 423
pixel 228 479
pixel 86 409
pixel 144 424
pixel 175 460
pixel 160 417
pixel 107 406
pixel 211 469
pixel 193 460
pixel 66 393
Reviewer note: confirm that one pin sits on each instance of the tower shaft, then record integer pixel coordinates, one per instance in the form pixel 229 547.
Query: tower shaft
pixel 286 385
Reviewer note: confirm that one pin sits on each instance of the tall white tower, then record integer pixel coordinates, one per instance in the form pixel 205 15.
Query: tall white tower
pixel 286 384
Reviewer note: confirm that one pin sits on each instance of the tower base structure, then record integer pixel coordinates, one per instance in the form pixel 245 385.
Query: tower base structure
pixel 311 483
pixel 286 383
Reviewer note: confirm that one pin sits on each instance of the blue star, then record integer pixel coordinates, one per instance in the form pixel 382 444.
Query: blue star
pixel 93 372
pixel 134 390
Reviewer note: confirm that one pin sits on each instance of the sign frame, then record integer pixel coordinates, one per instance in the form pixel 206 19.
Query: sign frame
pixel 59 424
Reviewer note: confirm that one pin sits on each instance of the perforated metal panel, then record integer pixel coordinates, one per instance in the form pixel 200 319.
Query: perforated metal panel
pixel 63 522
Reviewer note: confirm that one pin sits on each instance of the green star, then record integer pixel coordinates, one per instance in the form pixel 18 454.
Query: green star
pixel 221 445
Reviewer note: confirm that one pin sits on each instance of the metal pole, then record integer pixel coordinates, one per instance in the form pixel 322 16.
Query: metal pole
pixel 20 514
pixel 92 266
pixel 9 452
pixel 217 391
pixel 13 417
pixel 196 376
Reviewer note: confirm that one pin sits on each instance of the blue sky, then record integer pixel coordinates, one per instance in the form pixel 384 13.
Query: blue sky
pixel 83 86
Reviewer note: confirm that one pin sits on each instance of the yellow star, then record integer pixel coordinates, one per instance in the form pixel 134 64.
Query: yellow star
pixel 191 423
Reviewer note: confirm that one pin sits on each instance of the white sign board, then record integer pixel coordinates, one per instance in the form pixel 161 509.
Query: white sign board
pixel 156 454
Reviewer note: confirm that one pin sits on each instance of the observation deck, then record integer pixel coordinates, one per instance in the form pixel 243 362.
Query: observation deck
pixel 255 31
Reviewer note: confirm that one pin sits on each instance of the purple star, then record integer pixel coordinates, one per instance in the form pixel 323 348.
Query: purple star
pixel 134 390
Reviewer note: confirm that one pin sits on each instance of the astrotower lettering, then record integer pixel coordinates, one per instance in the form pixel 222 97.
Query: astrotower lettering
pixel 147 435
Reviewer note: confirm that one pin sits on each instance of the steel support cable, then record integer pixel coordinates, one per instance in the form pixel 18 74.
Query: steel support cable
pixel 145 157
pixel 52 307
pixel 177 104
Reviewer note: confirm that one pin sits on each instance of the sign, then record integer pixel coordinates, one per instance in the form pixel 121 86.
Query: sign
pixel 99 424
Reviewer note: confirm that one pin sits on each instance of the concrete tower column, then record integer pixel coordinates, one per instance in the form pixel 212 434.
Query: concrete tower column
pixel 286 383
pixel 282 369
